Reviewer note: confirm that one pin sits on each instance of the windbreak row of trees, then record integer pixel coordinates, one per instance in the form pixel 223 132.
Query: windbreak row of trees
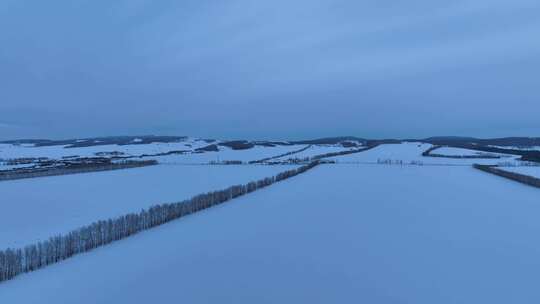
pixel 280 156
pixel 341 153
pixel 431 149
pixel 72 169
pixel 322 157
pixel 522 178
pixel 61 247
pixel 226 162
pixel 485 146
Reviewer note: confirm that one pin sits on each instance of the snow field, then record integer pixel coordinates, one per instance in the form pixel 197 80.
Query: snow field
pixel 337 234
pixel 314 150
pixel 225 153
pixel 38 208
pixel 410 152
pixel 465 152
pixel 526 170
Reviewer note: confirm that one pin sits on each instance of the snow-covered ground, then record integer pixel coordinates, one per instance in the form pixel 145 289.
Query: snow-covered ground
pixel 526 170
pixel 410 152
pixel 8 151
pixel 225 153
pixel 337 234
pixel 315 150
pixel 38 208
pixel 4 166
pixel 532 148
pixel 465 152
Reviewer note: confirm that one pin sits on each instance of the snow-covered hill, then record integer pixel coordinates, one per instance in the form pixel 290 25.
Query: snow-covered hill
pixel 182 150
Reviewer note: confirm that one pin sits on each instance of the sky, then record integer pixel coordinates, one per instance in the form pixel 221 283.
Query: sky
pixel 269 69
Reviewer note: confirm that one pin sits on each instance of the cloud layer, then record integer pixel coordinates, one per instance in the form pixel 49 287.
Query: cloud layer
pixel 273 69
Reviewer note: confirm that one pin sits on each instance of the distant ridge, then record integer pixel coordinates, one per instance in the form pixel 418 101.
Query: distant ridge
pixel 247 144
pixel 330 140
pixel 504 141
pixel 97 141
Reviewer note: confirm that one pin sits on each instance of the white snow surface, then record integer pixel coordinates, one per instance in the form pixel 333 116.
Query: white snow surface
pixel 38 208
pixel 465 152
pixel 337 234
pixel 526 170
pixel 315 150
pixel 410 152
pixel 3 166
pixel 225 153
pixel 531 148
pixel 8 151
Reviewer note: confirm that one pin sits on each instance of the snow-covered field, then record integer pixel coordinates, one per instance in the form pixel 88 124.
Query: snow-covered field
pixel 466 152
pixel 225 153
pixel 191 156
pixel 410 152
pixel 526 170
pixel 315 150
pixel 38 208
pixel 8 151
pixel 353 232
pixel 337 234
pixel 406 152
pixel 4 166
pixel 532 148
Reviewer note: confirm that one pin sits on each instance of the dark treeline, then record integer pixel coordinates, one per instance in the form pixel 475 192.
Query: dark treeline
pixel 23 161
pixel 99 141
pixel 500 142
pixel 332 154
pixel 226 162
pixel 320 157
pixel 72 169
pixel 429 153
pixel 532 157
pixel 281 155
pixel 16 261
pixel 522 178
pixel 431 149
pixel 526 155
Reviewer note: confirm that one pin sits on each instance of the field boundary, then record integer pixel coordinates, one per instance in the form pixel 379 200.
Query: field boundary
pixel 17 261
pixel 341 153
pixel 56 171
pixel 429 153
pixel 521 178
pixel 281 155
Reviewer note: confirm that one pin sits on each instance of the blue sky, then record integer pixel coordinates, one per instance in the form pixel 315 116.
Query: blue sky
pixel 269 69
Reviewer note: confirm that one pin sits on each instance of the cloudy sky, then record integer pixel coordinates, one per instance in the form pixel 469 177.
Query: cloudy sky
pixel 269 69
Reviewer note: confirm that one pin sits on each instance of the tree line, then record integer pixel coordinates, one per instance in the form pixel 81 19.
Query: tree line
pixel 346 152
pixel 72 169
pixel 281 155
pixel 57 248
pixel 429 153
pixel 522 178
